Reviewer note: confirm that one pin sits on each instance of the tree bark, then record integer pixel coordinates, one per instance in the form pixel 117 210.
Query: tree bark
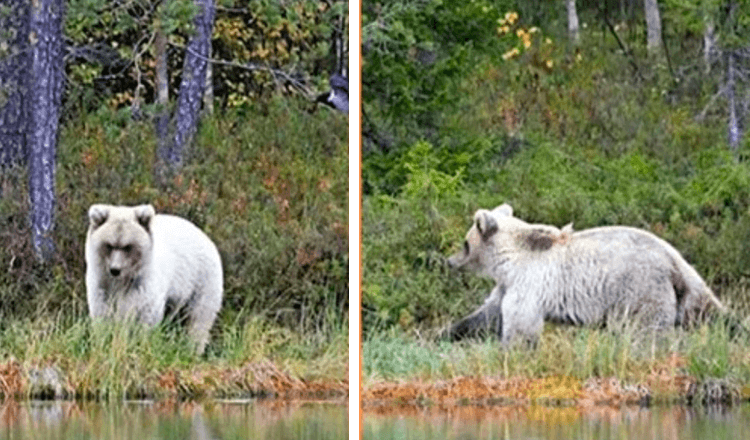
pixel 733 128
pixel 709 43
pixel 14 68
pixel 161 121
pixel 46 71
pixel 653 26
pixel 208 95
pixel 192 85
pixel 573 31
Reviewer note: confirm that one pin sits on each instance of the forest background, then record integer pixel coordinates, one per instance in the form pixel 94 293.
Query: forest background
pixel 117 102
pixel 617 112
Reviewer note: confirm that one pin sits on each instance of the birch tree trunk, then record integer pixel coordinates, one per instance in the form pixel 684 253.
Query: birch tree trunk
pixel 192 85
pixel 733 128
pixel 14 68
pixel 573 32
pixel 46 86
pixel 709 43
pixel 208 95
pixel 161 121
pixel 653 26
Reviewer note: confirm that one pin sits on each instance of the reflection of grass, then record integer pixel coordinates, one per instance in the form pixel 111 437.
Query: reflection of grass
pixel 662 363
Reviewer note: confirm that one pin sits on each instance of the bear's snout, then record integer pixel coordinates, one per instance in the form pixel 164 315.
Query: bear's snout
pixel 114 271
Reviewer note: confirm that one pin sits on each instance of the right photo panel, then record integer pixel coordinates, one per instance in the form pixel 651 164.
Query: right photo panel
pixel 555 218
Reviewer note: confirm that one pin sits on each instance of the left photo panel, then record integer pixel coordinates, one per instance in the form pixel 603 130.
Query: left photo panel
pixel 174 219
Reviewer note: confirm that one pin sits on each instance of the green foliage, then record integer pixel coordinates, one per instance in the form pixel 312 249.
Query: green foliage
pixel 413 52
pixel 114 49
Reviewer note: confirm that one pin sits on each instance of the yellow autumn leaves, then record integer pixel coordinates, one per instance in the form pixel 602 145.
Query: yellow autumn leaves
pixel 524 35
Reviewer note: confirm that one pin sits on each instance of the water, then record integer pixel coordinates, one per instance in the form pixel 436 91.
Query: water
pixel 537 423
pixel 173 420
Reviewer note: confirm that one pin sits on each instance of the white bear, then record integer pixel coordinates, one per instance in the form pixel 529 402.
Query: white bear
pixel 580 278
pixel 138 261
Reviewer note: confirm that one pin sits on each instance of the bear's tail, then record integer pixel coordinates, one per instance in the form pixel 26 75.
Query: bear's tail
pixel 694 297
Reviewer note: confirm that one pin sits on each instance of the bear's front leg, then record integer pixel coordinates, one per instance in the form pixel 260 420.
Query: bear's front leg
pixel 488 319
pixel 522 316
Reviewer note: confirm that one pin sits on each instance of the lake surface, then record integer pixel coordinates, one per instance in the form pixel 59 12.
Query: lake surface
pixel 173 420
pixel 536 422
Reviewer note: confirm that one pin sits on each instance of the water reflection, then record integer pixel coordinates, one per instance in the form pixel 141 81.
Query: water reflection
pixel 537 422
pixel 173 420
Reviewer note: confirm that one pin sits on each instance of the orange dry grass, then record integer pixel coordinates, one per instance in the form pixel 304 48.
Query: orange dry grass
pixel 551 390
pixel 12 381
pixel 262 378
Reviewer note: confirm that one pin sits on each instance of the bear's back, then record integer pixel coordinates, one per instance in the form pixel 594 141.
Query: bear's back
pixel 181 246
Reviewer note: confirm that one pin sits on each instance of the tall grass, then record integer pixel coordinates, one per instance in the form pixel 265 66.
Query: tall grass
pixel 629 354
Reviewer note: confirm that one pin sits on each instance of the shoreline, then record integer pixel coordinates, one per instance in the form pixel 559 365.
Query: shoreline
pixel 552 391
pixel 252 380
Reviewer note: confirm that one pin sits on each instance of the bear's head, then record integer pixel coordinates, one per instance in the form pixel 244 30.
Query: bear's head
pixel 119 238
pixel 496 237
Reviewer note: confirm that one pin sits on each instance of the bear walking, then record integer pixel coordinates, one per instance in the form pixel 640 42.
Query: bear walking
pixel 584 277
pixel 138 261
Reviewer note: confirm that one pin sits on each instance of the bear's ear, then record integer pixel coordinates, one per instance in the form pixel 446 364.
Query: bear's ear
pixel 144 214
pixel 98 214
pixel 504 209
pixel 567 229
pixel 539 240
pixel 486 223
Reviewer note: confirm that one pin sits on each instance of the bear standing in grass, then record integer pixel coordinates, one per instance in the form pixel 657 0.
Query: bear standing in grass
pixel 585 277
pixel 137 262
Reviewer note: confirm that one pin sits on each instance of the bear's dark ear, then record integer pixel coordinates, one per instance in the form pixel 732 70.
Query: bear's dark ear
pixel 98 215
pixel 144 214
pixel 539 240
pixel 486 223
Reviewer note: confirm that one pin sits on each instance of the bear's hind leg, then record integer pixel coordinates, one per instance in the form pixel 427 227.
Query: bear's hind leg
pixel 201 316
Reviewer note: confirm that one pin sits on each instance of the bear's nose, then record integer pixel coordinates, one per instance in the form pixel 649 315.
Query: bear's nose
pixel 114 271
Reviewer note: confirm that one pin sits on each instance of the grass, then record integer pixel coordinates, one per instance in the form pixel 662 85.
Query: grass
pixel 703 355
pixel 116 360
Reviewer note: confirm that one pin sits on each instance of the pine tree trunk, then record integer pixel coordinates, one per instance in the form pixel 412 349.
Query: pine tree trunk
pixel 192 85
pixel 46 71
pixel 14 68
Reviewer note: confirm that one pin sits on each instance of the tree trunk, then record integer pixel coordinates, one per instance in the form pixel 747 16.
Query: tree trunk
pixel 208 95
pixel 653 26
pixel 733 128
pixel 192 85
pixel 161 121
pixel 46 73
pixel 573 33
pixel 14 67
pixel 709 43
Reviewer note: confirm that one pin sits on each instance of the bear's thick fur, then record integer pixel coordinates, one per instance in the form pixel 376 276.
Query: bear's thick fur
pixel 585 277
pixel 138 261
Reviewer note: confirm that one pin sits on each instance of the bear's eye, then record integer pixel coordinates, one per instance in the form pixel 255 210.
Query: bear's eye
pixel 466 247
pixel 108 248
pixel 127 248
